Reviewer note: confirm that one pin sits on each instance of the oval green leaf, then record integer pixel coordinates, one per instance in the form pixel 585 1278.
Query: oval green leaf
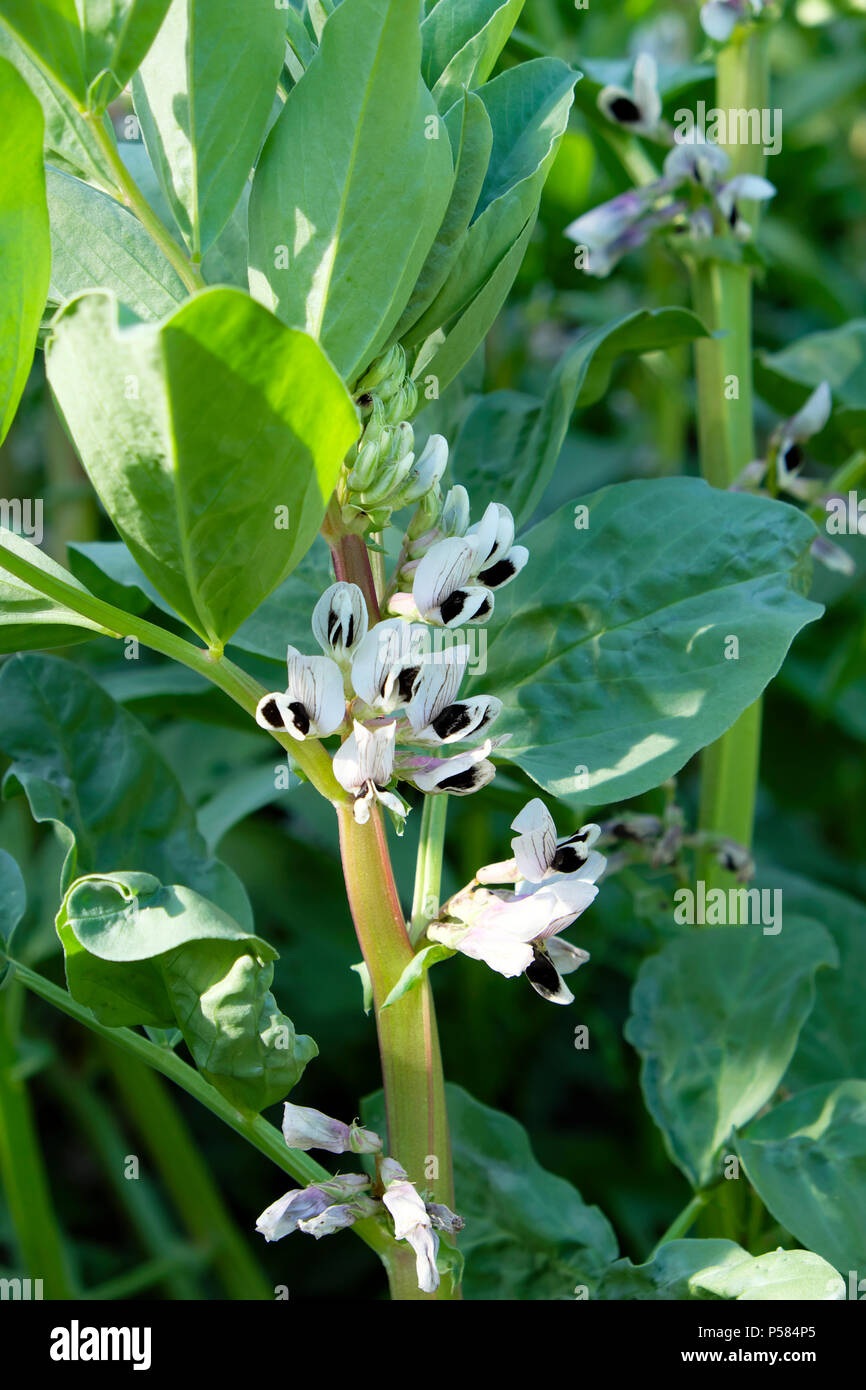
pixel 214 439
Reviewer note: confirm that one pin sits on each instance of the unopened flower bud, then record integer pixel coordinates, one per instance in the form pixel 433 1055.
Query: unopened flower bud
pixel 388 481
pixel 403 403
pixel 427 469
pixel 365 467
pixel 455 512
pixel 385 374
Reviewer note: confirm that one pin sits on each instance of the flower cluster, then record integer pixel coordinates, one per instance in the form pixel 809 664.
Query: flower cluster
pixel 391 687
pixel 333 1204
pixel 693 195
pixel 517 931
pixel 391 690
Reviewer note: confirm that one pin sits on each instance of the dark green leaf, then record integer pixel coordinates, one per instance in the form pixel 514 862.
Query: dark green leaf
pixel 806 1159
pixel 609 648
pixel 141 953
pixel 832 1043
pixel 509 445
pixel 716 1016
pixel 13 897
pixel 713 1269
pixel 788 377
pixel 90 767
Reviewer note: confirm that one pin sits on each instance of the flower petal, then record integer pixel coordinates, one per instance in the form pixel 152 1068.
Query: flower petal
pixel 535 844
pixel 340 620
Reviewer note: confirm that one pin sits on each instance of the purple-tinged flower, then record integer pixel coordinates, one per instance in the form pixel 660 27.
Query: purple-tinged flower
pixel 695 158
pixel 621 225
pixel 832 556
pixel 304 1204
pixel 519 933
pixel 412 1222
pixel 306 1129
pixel 460 775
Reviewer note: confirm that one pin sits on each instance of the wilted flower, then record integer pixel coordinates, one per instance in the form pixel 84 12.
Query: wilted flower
pixel 304 1204
pixel 832 556
pixel 639 109
pixel 412 1222
pixel 306 1129
pixel 364 766
pixel 313 703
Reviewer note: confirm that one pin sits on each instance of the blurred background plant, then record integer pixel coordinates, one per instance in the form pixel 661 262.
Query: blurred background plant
pixel 171 1233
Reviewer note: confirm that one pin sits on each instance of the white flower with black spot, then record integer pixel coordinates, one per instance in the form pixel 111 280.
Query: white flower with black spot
pixel 312 705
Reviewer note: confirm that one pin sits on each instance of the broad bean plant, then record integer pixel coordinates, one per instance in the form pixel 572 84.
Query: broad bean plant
pixel 258 249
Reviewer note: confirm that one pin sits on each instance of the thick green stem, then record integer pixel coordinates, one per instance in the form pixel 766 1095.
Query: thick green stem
pixel 408 1041
pixel 722 296
pixel 135 200
pixel 428 866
